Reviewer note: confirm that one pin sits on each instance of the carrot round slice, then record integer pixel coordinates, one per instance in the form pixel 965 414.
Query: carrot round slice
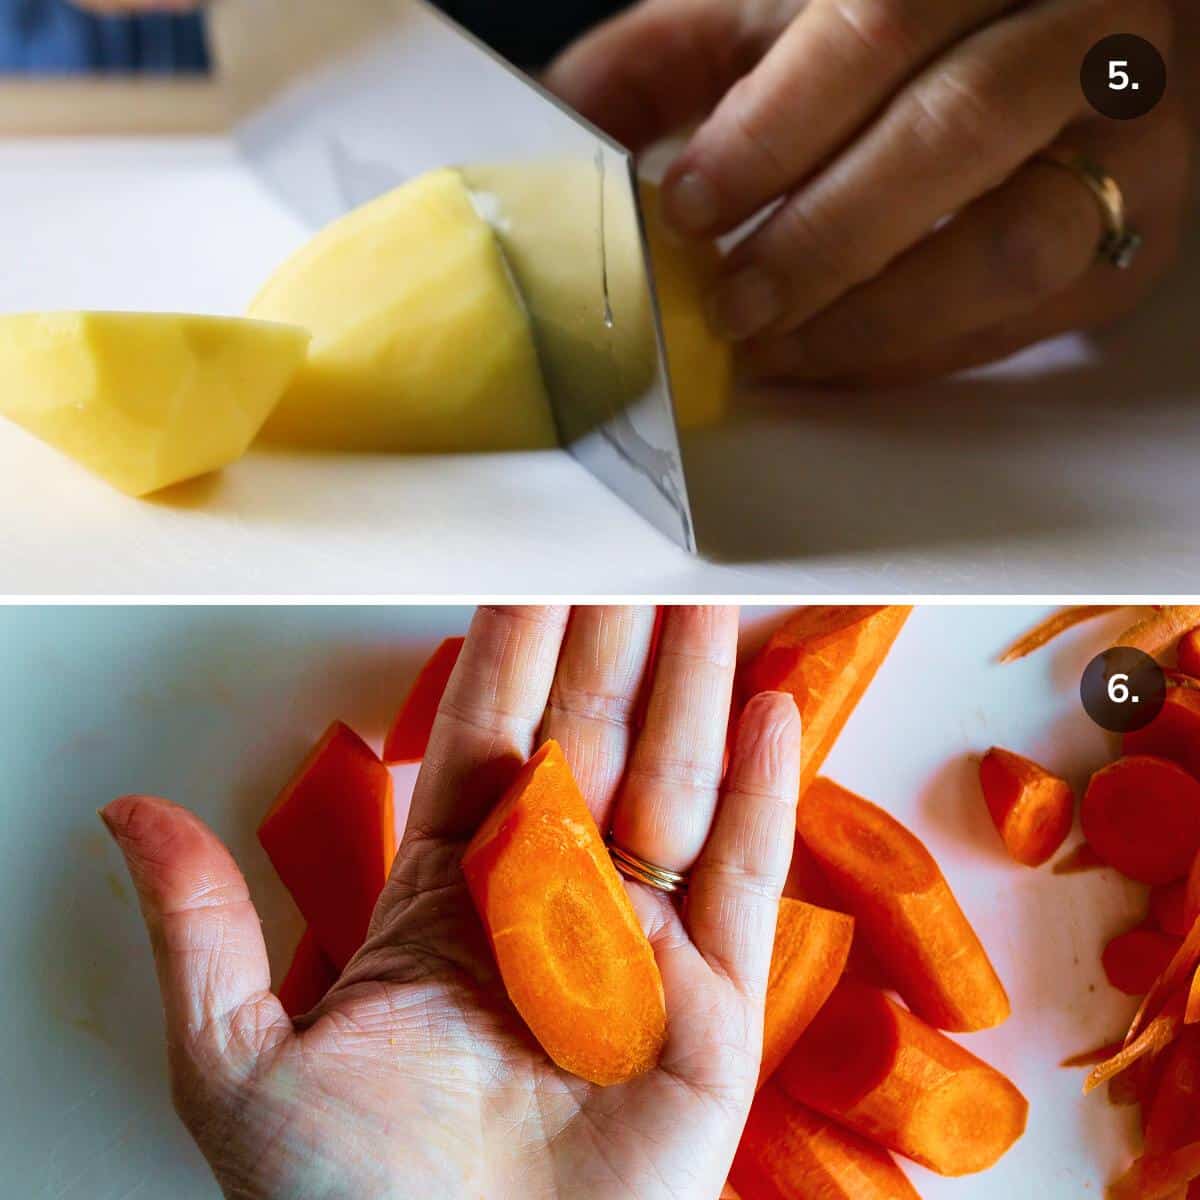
pixel 1169 908
pixel 1133 961
pixel 1174 733
pixel 1142 815
pixel 1031 808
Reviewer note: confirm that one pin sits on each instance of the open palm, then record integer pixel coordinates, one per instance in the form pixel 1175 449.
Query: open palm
pixel 415 1076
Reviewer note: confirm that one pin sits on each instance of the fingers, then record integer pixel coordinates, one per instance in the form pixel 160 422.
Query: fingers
pixel 592 701
pixel 1020 262
pixel 669 793
pixel 656 67
pixel 794 109
pixel 488 718
pixel 208 946
pixel 734 889
pixel 959 129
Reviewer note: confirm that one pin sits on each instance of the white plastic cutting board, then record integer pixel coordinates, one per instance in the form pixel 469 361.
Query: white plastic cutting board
pixel 1070 469
pixel 213 707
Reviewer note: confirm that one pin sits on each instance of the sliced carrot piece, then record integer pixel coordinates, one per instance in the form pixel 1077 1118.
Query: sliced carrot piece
pixel 574 959
pixel 877 1068
pixel 1174 733
pixel 811 948
pixel 1188 653
pixel 825 656
pixel 1142 815
pixel 1052 626
pixel 788 1152
pixel 331 837
pixel 889 882
pixel 408 738
pixel 1133 960
pixel 1169 908
pixel 1031 808
pixel 1158 1177
pixel 309 977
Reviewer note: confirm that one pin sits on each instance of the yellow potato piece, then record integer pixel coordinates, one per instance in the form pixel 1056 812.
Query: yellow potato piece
pixel 420 341
pixel 144 401
pixel 700 362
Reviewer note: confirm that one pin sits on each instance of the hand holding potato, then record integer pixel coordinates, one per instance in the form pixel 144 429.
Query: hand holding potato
pixel 914 231
pixel 414 1077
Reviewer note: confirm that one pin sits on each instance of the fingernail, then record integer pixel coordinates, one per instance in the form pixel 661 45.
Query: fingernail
pixel 746 304
pixel 691 203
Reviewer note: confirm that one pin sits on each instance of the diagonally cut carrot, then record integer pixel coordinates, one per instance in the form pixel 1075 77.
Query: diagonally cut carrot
pixel 408 737
pixel 875 1067
pixel 888 881
pixel 331 837
pixel 1050 627
pixel 1142 815
pixel 825 656
pixel 1032 809
pixel 811 948
pixel 788 1152
pixel 574 959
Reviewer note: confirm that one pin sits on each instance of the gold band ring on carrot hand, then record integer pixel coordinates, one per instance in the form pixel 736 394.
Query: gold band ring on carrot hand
pixel 1120 243
pixel 645 872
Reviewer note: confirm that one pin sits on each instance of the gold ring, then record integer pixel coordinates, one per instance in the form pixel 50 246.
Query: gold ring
pixel 633 867
pixel 1120 243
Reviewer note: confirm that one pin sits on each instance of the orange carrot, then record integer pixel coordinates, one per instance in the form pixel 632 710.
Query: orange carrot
pixel 1132 961
pixel 1076 861
pixel 811 948
pixel 1174 977
pixel 1191 1008
pixel 331 837
pixel 1031 808
pixel 309 977
pixel 877 1068
pixel 788 1152
pixel 408 737
pixel 1189 653
pixel 1169 908
pixel 1142 815
pixel 1174 733
pixel 904 907
pixel 825 656
pixel 1050 627
pixel 574 959
pixel 1155 1036
pixel 1174 1109
pixel 1158 632
pixel 1158 1177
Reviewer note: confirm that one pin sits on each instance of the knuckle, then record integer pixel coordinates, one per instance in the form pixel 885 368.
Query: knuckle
pixel 891 31
pixel 816 236
pixel 962 114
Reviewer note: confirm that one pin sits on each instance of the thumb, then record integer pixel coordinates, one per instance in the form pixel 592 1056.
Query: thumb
pixel 656 68
pixel 208 945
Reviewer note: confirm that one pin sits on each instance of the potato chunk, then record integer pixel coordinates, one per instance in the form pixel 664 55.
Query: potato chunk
pixel 145 401
pixel 420 340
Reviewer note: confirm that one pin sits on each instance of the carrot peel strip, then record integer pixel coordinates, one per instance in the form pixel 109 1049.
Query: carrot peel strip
pixel 1052 626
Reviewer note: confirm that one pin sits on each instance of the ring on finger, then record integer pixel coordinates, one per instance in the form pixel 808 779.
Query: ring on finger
pixel 645 872
pixel 1120 243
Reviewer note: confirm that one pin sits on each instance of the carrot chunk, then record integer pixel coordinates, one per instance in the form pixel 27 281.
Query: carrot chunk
pixel 1189 653
pixel 1142 815
pixel 1169 908
pixel 788 1152
pixel 408 738
pixel 309 977
pixel 825 656
pixel 1158 1176
pixel 331 836
pixel 574 959
pixel 874 1066
pixel 1174 733
pixel 811 948
pixel 1132 961
pixel 890 884
pixel 1031 808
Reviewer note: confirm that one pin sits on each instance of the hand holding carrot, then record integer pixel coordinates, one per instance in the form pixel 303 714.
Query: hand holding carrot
pixel 415 1076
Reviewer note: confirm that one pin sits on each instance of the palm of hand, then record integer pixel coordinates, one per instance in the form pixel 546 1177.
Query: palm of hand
pixel 415 1076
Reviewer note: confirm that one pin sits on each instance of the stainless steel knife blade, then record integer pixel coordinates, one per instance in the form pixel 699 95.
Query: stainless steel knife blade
pixel 343 105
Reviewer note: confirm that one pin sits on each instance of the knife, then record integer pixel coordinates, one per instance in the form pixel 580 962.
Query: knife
pixel 334 105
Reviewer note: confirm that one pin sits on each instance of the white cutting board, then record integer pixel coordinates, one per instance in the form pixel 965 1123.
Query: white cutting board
pixel 213 707
pixel 1070 469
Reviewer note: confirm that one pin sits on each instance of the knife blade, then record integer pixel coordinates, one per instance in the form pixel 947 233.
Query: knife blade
pixel 334 108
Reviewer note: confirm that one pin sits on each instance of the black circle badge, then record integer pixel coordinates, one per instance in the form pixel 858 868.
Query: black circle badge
pixel 1123 76
pixel 1123 689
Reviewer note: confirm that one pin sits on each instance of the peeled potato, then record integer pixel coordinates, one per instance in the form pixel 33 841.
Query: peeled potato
pixel 145 401
pixel 700 362
pixel 420 341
